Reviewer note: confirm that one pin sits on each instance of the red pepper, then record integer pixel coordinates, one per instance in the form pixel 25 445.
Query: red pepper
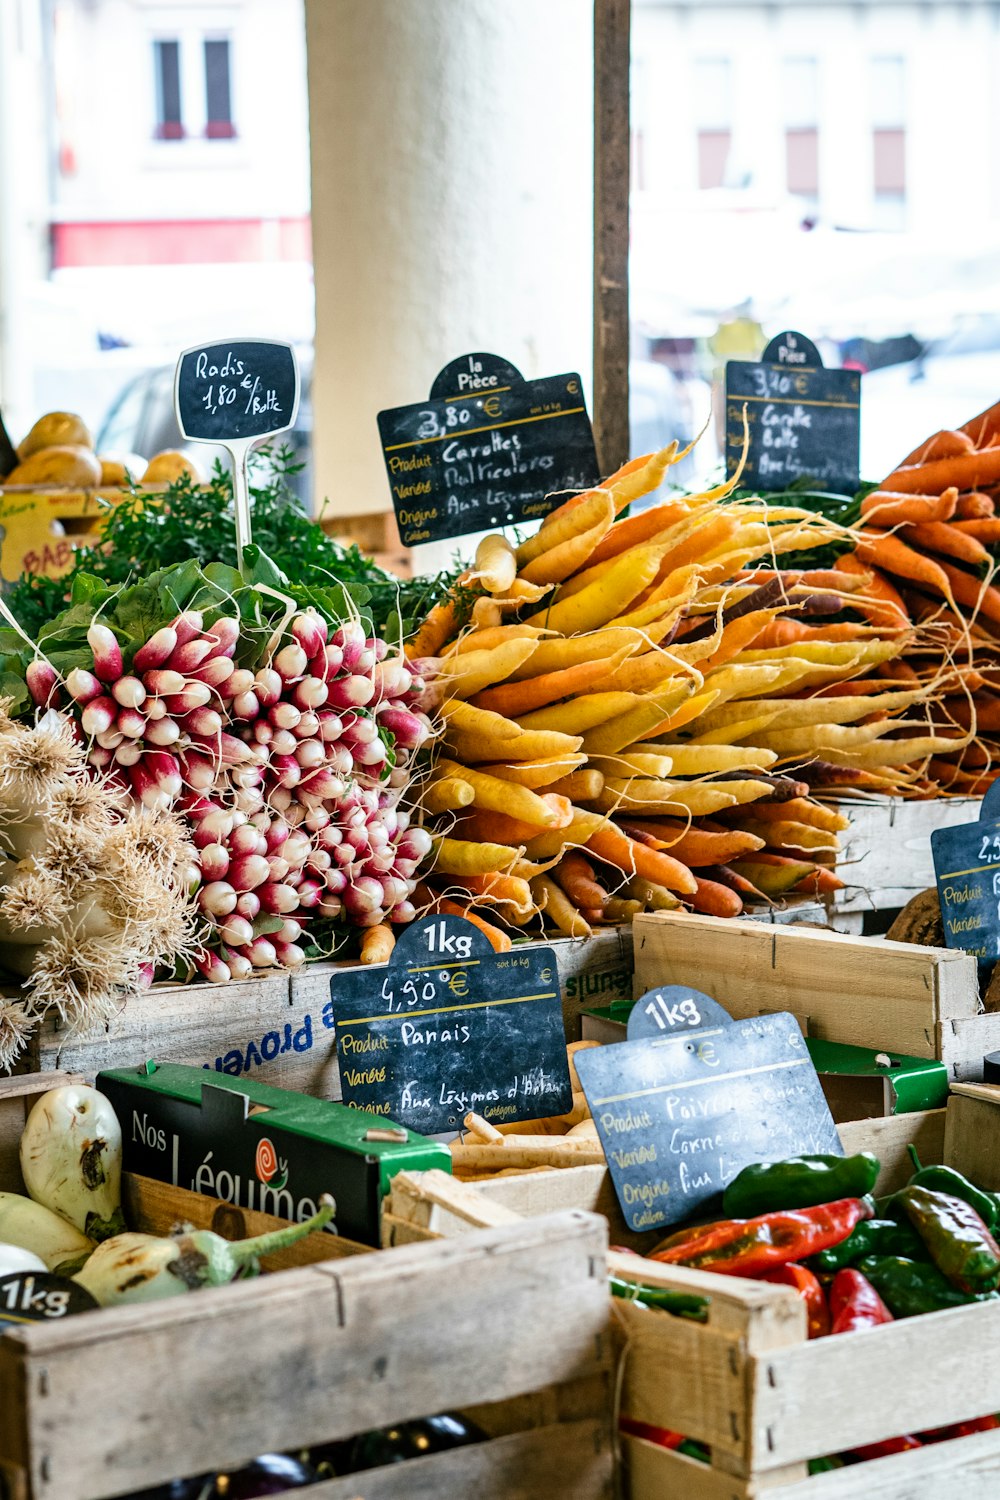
pixel 960 1429
pixel 746 1247
pixel 661 1435
pixel 807 1285
pixel 886 1447
pixel 855 1304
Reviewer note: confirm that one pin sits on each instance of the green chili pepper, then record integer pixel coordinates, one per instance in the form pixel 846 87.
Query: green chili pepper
pixel 799 1182
pixel 909 1288
pixel 959 1243
pixel 681 1304
pixel 947 1180
pixel 872 1237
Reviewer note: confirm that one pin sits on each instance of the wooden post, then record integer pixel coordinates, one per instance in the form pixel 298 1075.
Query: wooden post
pixel 612 28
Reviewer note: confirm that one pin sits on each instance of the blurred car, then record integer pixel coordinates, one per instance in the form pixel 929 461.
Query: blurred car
pixel 141 420
pixel 952 380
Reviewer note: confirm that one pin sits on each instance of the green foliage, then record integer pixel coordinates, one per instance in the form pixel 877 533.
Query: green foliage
pixel 195 525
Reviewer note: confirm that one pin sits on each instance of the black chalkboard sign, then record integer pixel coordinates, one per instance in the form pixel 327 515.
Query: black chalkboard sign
pixel 40 1297
pixel 967 871
pixel 804 420
pixel 488 448
pixel 239 390
pixel 450 1026
pixel 679 1117
pixel 674 1008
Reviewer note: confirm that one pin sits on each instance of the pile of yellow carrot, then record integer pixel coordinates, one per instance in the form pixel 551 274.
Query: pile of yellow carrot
pixel 632 719
pixel 927 544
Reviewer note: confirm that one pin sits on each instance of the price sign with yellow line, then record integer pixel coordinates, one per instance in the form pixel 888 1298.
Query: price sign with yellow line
pixel 487 449
pixel 449 1026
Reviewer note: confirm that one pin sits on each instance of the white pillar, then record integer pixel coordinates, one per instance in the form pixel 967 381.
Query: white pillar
pixel 452 199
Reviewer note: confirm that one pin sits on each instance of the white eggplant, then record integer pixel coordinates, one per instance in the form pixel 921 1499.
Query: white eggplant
pixel 71 1159
pixel 13 1260
pixel 32 1227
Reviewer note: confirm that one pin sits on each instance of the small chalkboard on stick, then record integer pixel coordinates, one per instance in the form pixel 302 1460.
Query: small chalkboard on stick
pixel 680 1116
pixel 450 1026
pixel 967 871
pixel 488 449
pixel 234 394
pixel 804 420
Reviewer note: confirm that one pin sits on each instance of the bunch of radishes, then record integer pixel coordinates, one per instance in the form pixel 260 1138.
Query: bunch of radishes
pixel 290 771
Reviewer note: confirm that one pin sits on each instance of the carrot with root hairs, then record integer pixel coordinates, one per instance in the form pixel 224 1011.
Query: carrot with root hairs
pixel 580 786
pixel 562 526
pixel 966 471
pixel 469 857
pixel 500 828
pixel 633 480
pixel 617 849
pixel 559 908
pixel 788 632
pixel 576 875
pixel 495 566
pixel 974 593
pixel 634 530
pixel 496 635
pixel 557 563
pixel 887 508
pixel 938 536
pixel 502 890
pixel 884 605
pixel 894 556
pixel 499 941
pixel 513 699
pixel 535 773
pixel 495 795
pixel 439 626
pixel 985 530
pixel 695 846
pixel 974 506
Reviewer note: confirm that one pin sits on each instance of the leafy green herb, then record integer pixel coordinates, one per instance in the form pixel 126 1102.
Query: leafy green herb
pixel 195 524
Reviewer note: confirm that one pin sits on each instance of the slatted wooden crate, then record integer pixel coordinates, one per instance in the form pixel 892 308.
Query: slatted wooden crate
pixel 279 1028
pixel 885 856
pixel 923 1002
pixel 747 1383
pixel 509 1326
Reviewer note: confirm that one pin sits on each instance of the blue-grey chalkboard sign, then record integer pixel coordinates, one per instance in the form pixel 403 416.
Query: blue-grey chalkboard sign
pixel 804 420
pixel 967 871
pixel 488 449
pixel 450 1026
pixel 680 1116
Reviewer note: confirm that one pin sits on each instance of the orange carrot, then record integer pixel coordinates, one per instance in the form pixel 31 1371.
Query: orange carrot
pixel 974 594
pixel 820 883
pixel 704 539
pixel 985 530
pixel 888 508
pixel 944 444
pixel 509 890
pixel 440 624
pixel 974 506
pixel 714 900
pixel 738 636
pixel 575 874
pixel 894 556
pixel 789 632
pixel 696 846
pixel 888 608
pixel 499 941
pixel 635 530
pixel 575 501
pixel 617 849
pixel 491 827
pixel 938 536
pixel 966 471
pixel 985 428
pixel 515 698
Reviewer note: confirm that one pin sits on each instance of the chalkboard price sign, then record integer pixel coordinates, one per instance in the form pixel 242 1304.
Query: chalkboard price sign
pixel 967 871
pixel 680 1116
pixel 450 1026
pixel 40 1297
pixel 804 420
pixel 488 448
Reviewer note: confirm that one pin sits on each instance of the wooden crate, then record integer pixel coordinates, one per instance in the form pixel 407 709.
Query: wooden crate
pixel 885 854
pixel 747 1383
pixel 279 1028
pixel 509 1326
pixel 861 990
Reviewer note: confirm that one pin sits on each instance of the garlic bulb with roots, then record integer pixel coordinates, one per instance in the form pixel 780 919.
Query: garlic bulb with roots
pixel 94 890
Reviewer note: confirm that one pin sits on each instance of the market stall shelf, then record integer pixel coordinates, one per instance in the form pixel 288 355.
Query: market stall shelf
pixel 324 1351
pixel 747 1383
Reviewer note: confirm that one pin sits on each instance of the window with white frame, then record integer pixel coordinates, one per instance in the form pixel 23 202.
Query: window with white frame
pixel 193 95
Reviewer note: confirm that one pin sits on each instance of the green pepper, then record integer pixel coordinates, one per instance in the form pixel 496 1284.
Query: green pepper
pixel 799 1182
pixel 825 1465
pixel 947 1180
pixel 959 1243
pixel 692 1449
pixel 872 1237
pixel 681 1304
pixel 909 1288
